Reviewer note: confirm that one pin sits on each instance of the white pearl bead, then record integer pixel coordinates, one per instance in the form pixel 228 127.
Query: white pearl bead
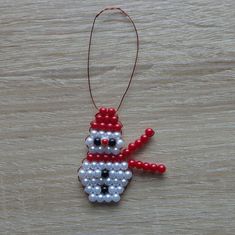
pixel 89 141
pixel 107 198
pixel 92 197
pixel 116 166
pixel 85 182
pixel 115 151
pixel 100 181
pixel 124 182
pixel 97 173
pixel 102 165
pixel 112 189
pixel 94 165
pixel 89 174
pixel 97 190
pixel 120 174
pixel 120 189
pixel 117 135
pixel 128 175
pixel 120 143
pixel 100 149
pixel 88 189
pixel 108 150
pixel 124 165
pixel 108 181
pixel 100 198
pixel 92 149
pixel 115 182
pixel 109 165
pixel 86 165
pixel 81 173
pixel 112 174
pixel 101 134
pixel 116 198
pixel 93 133
pixel 109 134
pixel 94 181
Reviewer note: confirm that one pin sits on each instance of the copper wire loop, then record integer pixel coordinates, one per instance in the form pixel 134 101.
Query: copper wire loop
pixel 89 52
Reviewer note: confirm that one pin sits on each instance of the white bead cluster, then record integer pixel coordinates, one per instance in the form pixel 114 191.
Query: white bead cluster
pixel 90 177
pixel 104 149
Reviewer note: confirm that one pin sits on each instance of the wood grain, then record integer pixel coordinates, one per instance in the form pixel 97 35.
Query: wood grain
pixel 184 87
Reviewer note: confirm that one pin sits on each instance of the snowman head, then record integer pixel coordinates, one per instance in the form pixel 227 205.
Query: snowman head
pixel 105 133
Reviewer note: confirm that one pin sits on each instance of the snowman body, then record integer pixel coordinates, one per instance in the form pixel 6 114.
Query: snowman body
pixel 104 181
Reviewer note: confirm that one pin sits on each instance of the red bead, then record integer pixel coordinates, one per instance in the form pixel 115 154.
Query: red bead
pixel 111 112
pixel 126 152
pixel 138 143
pixel 102 125
pixel 161 168
pixel 117 127
pixel 89 157
pixel 132 147
pixel 154 167
pixel 149 132
pixel 94 125
pixel 97 157
pixel 99 118
pixel 121 157
pixel 144 138
pixel 146 166
pixel 104 142
pixel 103 111
pixel 110 126
pixel 114 120
pixel 106 119
pixel 139 164
pixel 113 158
pixel 131 163
pixel 105 157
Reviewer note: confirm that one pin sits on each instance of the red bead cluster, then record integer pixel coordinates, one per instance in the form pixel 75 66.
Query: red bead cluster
pixel 152 167
pixel 139 142
pixel 106 120
pixel 105 158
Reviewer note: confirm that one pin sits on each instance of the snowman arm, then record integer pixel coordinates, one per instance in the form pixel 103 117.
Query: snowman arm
pixel 138 143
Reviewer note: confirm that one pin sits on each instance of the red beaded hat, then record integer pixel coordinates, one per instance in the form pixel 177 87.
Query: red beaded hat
pixel 106 120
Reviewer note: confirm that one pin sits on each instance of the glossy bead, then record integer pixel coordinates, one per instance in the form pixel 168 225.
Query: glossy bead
pixel 161 168
pixel 99 118
pixel 104 189
pixel 131 163
pixel 102 125
pixel 105 173
pixel 94 125
pixel 89 141
pixel 126 152
pixel 104 142
pixel 138 143
pixel 88 189
pixel 111 112
pixel 119 189
pixel 103 111
pixel 89 157
pixel 117 127
pixel 92 197
pixel 149 132
pixel 116 198
pixel 124 166
pixel 114 120
pixel 120 174
pixel 109 165
pixel 86 165
pixel 112 142
pixel 115 151
pixel 82 173
pixel 154 167
pixel 97 173
pixel 132 147
pixel 116 166
pixel 120 143
pixel 106 119
pixel 97 190
pixel 100 198
pixel 106 157
pixel 144 138
pixel 110 126
pixel 107 198
pixel 139 164
pixel 146 166
pixel 128 175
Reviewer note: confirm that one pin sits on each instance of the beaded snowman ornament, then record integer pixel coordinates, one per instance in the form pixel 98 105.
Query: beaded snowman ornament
pixel 106 170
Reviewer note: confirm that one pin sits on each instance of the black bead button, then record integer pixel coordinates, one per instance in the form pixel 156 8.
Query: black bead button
pixel 105 173
pixel 104 189
pixel 112 142
pixel 97 141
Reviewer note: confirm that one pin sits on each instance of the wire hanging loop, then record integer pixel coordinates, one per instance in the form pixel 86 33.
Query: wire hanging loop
pixel 89 52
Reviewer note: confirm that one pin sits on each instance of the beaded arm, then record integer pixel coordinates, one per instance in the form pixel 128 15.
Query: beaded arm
pixel 132 147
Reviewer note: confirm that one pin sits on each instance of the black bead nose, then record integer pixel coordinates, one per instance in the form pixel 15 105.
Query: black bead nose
pixel 104 189
pixel 105 173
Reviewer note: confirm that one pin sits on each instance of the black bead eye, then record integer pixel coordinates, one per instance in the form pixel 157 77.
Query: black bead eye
pixel 97 141
pixel 112 142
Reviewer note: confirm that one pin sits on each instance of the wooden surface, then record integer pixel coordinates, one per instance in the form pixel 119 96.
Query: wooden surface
pixel 184 87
